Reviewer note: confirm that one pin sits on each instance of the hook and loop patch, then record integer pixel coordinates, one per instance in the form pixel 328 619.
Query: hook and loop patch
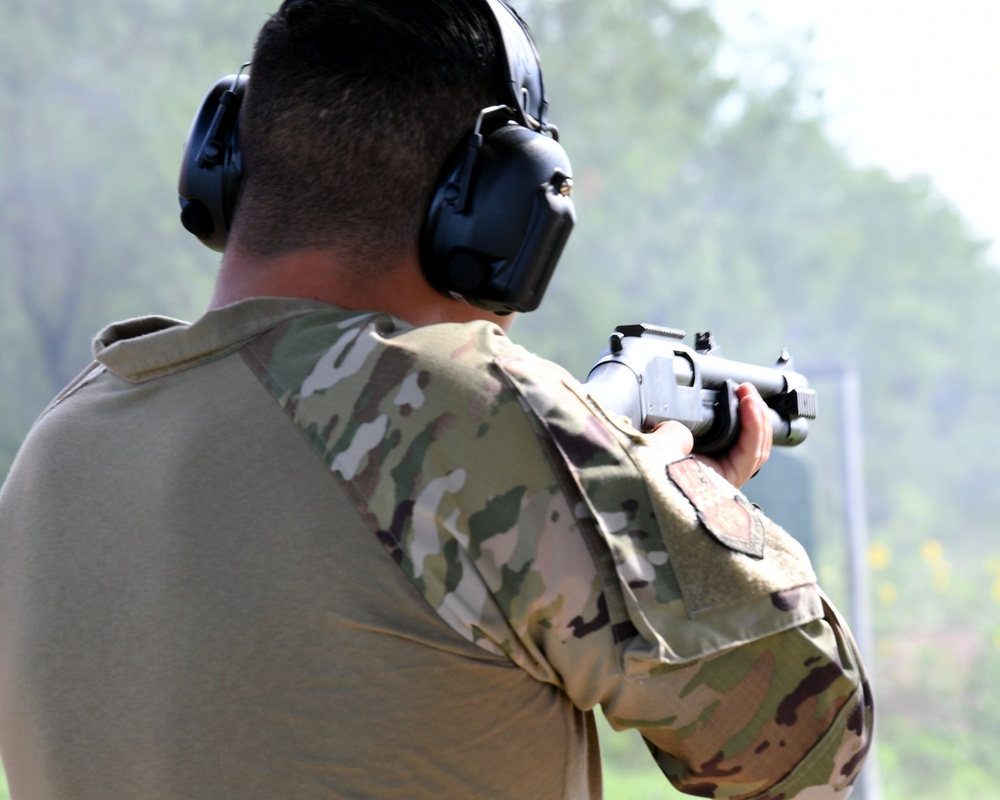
pixel 728 517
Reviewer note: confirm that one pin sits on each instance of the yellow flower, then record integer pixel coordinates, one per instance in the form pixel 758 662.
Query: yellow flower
pixel 879 555
pixel 887 593
pixel 933 552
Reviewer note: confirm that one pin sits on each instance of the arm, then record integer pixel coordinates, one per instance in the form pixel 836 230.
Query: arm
pixel 775 717
pixel 727 657
pixel 566 547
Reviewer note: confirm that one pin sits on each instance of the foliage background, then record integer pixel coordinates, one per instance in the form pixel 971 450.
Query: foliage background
pixel 709 196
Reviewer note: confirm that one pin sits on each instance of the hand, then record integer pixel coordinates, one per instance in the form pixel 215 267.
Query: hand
pixel 741 462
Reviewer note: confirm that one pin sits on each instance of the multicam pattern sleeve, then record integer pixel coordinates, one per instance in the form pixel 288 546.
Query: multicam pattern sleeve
pixel 551 534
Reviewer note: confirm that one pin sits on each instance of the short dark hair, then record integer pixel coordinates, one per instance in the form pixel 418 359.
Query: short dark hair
pixel 351 110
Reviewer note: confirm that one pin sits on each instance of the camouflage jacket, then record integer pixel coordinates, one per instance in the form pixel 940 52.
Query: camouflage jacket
pixel 551 534
pixel 542 528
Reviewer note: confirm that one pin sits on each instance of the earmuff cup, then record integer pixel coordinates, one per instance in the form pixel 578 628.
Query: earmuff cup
pixel 495 228
pixel 212 165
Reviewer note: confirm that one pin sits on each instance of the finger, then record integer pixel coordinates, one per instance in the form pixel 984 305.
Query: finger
pixel 673 436
pixel 757 437
pixel 753 446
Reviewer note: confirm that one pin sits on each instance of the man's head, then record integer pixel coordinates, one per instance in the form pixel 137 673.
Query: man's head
pixel 351 111
pixel 345 127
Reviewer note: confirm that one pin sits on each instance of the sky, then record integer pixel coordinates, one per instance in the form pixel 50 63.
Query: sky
pixel 912 86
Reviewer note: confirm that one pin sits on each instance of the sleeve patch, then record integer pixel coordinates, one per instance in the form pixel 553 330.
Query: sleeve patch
pixel 715 574
pixel 729 517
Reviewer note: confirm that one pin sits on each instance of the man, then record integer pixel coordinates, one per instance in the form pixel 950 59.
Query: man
pixel 341 538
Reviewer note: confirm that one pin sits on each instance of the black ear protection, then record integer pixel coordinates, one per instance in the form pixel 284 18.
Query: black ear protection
pixel 500 215
pixel 212 165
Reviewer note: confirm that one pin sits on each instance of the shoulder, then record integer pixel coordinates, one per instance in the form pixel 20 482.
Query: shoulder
pixel 442 459
pixel 371 367
pixel 316 353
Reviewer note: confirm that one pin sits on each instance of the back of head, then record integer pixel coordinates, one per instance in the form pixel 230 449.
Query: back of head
pixel 352 109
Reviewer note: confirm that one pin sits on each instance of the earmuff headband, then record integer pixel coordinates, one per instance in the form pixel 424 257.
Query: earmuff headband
pixel 523 78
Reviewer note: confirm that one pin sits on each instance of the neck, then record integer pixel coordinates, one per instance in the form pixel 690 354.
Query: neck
pixel 399 289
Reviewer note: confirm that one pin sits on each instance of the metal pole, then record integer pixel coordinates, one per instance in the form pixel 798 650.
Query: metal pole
pixel 855 508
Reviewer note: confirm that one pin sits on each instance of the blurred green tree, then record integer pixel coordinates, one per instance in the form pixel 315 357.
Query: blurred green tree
pixel 96 100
